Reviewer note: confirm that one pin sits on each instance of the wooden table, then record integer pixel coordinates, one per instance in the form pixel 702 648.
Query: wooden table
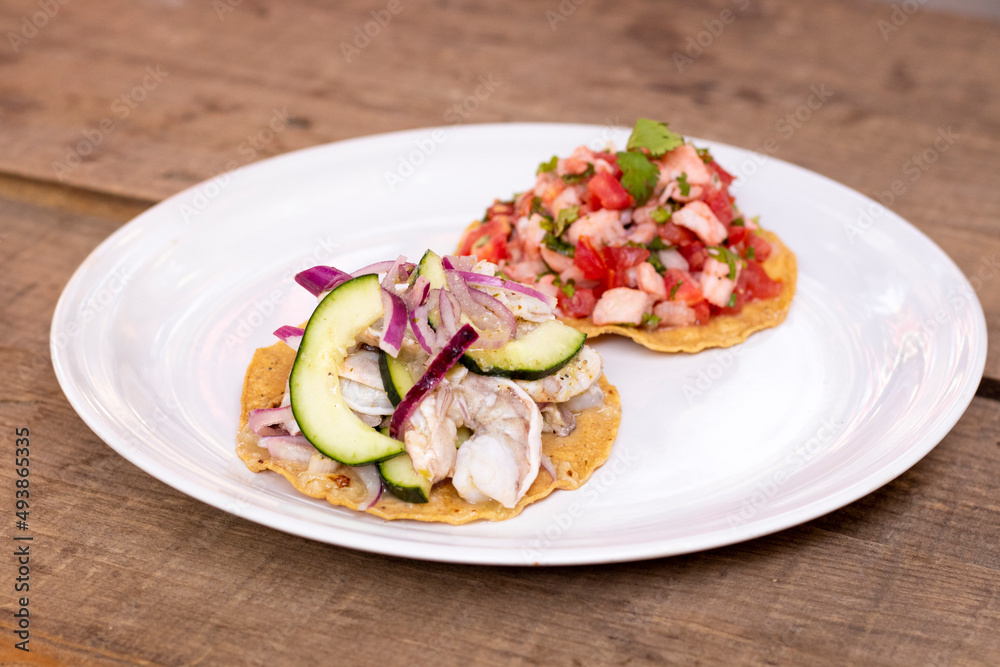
pixel 107 107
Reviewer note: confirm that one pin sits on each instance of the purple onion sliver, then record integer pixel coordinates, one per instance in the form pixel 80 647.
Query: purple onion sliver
pixel 377 267
pixel 290 336
pixel 395 323
pixel 447 358
pixel 373 485
pixel 449 312
pixel 497 281
pixel 321 279
pixel 259 419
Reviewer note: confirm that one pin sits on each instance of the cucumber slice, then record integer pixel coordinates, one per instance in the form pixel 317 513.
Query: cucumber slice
pixel 540 352
pixel 324 418
pixel 431 268
pixel 403 481
pixel 395 377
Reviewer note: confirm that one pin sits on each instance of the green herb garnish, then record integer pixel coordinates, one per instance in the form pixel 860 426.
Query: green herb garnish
pixel 751 253
pixel 732 300
pixel 737 222
pixel 553 243
pixel 548 166
pixel 660 215
pixel 566 217
pixel 639 175
pixel 654 137
pixel 568 288
pixel 705 156
pixel 682 181
pixel 725 255
pixel 577 178
pixel 658 244
pixel 650 320
pixel 657 264
pixel 673 290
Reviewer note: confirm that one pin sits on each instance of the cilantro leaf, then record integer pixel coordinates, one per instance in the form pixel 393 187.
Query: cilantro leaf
pixel 650 320
pixel 705 156
pixel 558 245
pixel 658 244
pixel 654 137
pixel 654 259
pixel 548 166
pixel 682 181
pixel 639 175
pixel 568 288
pixel 566 217
pixel 673 290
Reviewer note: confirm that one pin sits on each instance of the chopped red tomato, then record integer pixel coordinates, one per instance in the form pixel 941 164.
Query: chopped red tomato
pixel 695 254
pixel 606 192
pixel 721 204
pixel 589 259
pixel 681 287
pixel 487 241
pixel 736 235
pixel 702 311
pixel 618 260
pixel 581 304
pixel 611 159
pixel 761 248
pixel 757 284
pixel 724 175
pixel 676 235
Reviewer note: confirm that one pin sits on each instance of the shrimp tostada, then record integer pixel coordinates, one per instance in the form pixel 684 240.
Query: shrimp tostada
pixel 646 243
pixel 453 390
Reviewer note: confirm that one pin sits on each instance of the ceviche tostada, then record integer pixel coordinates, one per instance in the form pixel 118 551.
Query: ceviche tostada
pixel 436 391
pixel 647 243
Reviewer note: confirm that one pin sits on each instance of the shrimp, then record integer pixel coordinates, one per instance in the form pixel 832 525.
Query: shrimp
pixel 556 261
pixel 501 459
pixel 675 314
pixel 684 160
pixel 604 227
pixel 716 284
pixel 621 305
pixel 361 386
pixel 700 219
pixel 530 233
pixel 571 380
pixel 651 282
pixel 430 439
pixel 568 197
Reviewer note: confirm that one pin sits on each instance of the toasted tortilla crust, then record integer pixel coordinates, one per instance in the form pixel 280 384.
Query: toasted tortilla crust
pixel 575 456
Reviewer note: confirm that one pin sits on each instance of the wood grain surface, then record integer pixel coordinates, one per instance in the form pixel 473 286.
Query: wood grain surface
pixel 110 106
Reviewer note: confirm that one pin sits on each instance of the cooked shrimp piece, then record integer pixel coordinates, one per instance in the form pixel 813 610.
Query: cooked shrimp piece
pixel 547 285
pixel 430 438
pixel 604 227
pixel 525 271
pixel 675 314
pixel 643 214
pixel 362 366
pixel 700 219
pixel 673 191
pixel 716 284
pixel 621 305
pixel 568 197
pixel 571 380
pixel 642 233
pixel 557 261
pixel 501 459
pixel 684 160
pixel 651 282
pixel 530 232
pixel 575 273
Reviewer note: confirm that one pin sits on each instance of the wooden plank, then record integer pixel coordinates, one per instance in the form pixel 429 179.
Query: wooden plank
pixel 907 575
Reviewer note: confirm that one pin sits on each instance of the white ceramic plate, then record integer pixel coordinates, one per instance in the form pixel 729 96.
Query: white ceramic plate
pixel 881 353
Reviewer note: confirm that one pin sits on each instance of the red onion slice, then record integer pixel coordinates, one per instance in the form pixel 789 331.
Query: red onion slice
pixel 395 323
pixel 373 485
pixel 458 262
pixel 506 327
pixel 261 419
pixel 422 331
pixel 321 279
pixel 449 312
pixel 291 336
pixel 447 358
pixel 474 278
pixel 377 267
pixel 289 448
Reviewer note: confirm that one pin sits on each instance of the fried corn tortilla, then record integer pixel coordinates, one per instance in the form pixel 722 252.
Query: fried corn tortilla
pixel 575 457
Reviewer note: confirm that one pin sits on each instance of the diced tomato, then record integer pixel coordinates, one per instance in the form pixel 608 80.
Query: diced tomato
pixel 721 204
pixel 581 304
pixel 757 284
pixel 736 235
pixel 676 235
pixel 761 248
pixel 738 303
pixel 606 192
pixel 611 159
pixel 618 260
pixel 724 175
pixel 590 261
pixel 695 254
pixel 487 241
pixel 686 290
pixel 702 311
